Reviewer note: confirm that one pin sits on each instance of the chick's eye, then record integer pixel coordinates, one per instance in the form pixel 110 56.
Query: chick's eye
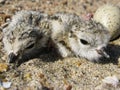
pixel 84 42
pixel 30 46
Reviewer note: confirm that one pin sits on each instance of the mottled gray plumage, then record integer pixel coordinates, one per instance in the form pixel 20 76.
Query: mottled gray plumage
pixel 30 31
pixel 24 35
pixel 77 37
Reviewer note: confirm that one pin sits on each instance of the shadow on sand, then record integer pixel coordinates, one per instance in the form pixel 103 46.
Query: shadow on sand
pixel 45 54
pixel 52 55
pixel 114 52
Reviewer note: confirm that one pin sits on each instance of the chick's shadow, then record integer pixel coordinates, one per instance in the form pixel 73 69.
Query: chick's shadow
pixel 45 54
pixel 114 52
pixel 51 55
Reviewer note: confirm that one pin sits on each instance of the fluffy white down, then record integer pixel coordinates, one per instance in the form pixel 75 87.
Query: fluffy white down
pixel 82 51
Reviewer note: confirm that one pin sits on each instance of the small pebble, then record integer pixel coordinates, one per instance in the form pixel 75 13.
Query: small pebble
pixel 111 80
pixel 3 67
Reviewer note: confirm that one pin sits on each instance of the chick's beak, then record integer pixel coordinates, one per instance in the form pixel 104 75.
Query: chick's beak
pixel 102 52
pixel 12 57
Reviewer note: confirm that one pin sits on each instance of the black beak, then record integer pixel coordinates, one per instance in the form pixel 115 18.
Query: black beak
pixel 102 52
pixel 11 58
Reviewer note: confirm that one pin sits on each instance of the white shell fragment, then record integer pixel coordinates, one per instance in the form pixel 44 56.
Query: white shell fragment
pixel 5 84
pixel 109 16
pixel 112 80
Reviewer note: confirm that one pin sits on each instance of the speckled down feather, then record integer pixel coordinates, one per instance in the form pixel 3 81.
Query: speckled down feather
pixel 30 31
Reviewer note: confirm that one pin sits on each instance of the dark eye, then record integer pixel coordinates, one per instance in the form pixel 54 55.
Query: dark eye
pixel 84 42
pixel 30 46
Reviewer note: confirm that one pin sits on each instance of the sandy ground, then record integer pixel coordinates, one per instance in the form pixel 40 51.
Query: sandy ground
pixel 47 72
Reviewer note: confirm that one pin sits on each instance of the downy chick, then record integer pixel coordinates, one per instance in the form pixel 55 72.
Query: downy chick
pixel 23 37
pixel 76 37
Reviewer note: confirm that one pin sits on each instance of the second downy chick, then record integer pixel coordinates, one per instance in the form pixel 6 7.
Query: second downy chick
pixel 77 37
